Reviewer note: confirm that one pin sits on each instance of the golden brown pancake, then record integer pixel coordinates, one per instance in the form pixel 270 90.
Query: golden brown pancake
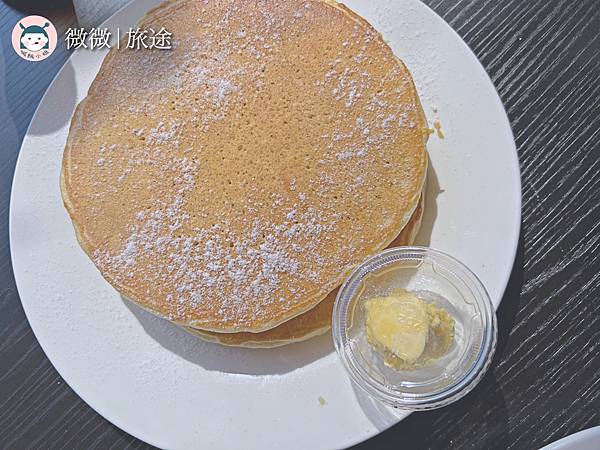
pixel 311 323
pixel 230 184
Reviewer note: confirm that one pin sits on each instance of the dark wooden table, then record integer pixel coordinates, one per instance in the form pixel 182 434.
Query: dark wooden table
pixel 544 58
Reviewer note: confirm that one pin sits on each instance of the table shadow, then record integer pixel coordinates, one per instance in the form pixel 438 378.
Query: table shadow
pixel 432 190
pixel 62 97
pixel 486 400
pixel 235 360
pixel 511 300
pixel 38 7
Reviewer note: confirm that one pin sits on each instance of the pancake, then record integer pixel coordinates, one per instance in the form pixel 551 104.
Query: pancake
pixel 230 184
pixel 313 322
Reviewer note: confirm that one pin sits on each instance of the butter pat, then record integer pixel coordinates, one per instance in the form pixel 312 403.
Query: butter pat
pixel 407 331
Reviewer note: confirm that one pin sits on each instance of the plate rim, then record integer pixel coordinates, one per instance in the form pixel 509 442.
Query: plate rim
pixel 515 232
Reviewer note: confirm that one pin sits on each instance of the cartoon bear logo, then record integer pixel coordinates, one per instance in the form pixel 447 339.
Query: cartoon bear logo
pixel 34 38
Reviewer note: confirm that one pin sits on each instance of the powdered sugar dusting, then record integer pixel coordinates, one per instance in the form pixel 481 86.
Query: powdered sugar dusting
pixel 161 134
pixel 216 227
pixel 205 262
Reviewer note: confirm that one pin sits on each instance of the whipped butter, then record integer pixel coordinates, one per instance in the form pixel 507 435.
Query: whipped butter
pixel 409 332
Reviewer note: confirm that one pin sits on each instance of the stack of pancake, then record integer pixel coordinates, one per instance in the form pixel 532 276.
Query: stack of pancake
pixel 230 184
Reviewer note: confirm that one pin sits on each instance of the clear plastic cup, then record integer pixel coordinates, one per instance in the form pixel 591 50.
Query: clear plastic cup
pixel 436 278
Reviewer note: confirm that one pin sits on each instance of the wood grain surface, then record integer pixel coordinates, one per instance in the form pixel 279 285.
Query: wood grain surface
pixel 544 58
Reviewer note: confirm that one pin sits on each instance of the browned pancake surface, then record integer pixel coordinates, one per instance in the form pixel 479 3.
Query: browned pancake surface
pixel 311 323
pixel 231 183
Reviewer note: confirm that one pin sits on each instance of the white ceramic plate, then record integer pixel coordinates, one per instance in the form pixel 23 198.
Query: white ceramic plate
pixel 583 440
pixel 175 391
